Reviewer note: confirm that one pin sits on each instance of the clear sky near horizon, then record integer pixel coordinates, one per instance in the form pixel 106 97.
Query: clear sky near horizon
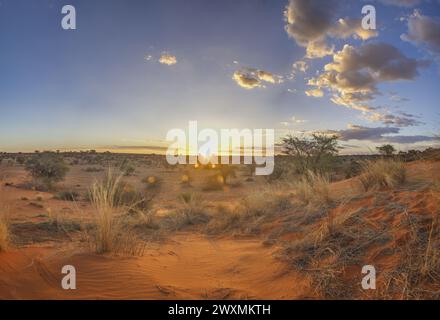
pixel 132 70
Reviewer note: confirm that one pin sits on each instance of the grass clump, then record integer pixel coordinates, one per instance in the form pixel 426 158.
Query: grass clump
pixel 110 234
pixel 191 212
pixel 313 189
pixel 383 173
pixel 4 233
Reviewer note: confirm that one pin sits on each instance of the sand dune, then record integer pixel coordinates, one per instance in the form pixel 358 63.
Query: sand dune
pixel 188 267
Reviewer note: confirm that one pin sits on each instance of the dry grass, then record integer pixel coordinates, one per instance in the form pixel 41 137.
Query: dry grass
pixel 382 173
pixel 313 189
pixel 327 249
pixel 4 233
pixel 417 276
pixel 191 212
pixel 251 213
pixel 109 232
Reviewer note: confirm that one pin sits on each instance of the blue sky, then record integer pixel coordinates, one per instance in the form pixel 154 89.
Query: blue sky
pixel 102 85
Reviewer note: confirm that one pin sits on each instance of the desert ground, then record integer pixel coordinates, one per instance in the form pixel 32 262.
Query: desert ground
pixel 211 232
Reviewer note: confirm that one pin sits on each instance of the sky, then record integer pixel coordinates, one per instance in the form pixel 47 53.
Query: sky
pixel 132 70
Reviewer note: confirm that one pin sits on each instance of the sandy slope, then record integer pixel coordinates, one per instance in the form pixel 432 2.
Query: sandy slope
pixel 191 266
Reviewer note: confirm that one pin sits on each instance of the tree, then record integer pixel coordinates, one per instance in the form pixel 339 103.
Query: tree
pixel 386 150
pixel 47 168
pixel 311 153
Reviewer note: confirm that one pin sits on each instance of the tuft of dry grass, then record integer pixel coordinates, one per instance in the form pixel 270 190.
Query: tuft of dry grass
pixel 248 216
pixel 110 234
pixel 313 189
pixel 191 212
pixel 4 233
pixel 327 249
pixel 418 274
pixel 382 173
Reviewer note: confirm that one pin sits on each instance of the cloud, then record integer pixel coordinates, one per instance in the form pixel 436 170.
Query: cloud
pixel 354 74
pixel 167 59
pixel 298 66
pixel 250 78
pixel 245 80
pixel 424 31
pixel 378 134
pixel 346 28
pixel 292 121
pixel 310 22
pixel 401 3
pixel 317 93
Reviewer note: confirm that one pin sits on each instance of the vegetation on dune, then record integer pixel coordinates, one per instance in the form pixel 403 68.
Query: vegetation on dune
pixel 382 173
pixel 313 189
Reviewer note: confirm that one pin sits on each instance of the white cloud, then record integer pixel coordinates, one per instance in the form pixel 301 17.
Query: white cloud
pixel 311 22
pixel 354 74
pixel 167 59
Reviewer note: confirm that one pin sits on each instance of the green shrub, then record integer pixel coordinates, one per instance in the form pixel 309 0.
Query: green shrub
pixel 48 169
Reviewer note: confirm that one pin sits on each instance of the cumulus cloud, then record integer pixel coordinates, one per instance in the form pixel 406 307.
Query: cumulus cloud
pixel 354 74
pixel 250 78
pixel 310 22
pixel 424 31
pixel 168 59
pixel 378 134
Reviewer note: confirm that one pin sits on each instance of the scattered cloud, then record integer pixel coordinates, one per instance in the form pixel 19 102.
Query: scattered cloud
pixel 396 98
pixel 311 22
pixel 378 134
pixel 167 59
pixel 424 31
pixel 354 74
pixel 250 78
pixel 292 121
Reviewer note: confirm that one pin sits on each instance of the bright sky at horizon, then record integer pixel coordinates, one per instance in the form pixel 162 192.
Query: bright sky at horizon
pixel 132 70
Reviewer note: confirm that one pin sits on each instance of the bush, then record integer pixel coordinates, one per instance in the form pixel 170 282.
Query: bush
pixel 67 196
pixel 314 153
pixel 382 173
pixel 48 169
pixel 213 183
pixel 153 182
